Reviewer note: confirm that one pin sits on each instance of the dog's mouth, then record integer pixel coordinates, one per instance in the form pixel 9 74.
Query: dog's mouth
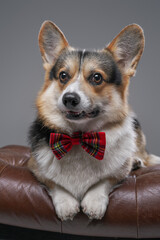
pixel 81 115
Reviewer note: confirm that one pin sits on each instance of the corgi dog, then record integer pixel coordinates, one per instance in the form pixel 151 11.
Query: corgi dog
pixel 86 92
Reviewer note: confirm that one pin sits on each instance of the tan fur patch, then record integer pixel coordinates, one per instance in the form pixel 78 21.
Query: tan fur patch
pixel 123 88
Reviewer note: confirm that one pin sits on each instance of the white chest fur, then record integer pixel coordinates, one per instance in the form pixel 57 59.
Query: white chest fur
pixel 77 170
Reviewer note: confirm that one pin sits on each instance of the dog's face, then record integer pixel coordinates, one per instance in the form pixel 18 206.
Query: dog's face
pixel 85 88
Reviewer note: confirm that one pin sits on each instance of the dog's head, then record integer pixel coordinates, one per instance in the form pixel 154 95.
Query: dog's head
pixel 86 89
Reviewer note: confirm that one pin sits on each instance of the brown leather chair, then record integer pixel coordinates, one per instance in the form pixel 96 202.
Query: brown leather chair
pixel 133 211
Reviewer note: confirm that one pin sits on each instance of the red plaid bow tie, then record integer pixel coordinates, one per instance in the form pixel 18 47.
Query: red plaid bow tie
pixel 92 142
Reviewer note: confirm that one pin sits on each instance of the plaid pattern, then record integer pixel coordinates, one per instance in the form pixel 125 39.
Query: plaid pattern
pixel 92 142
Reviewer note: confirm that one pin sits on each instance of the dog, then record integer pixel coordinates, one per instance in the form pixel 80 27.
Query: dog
pixel 85 93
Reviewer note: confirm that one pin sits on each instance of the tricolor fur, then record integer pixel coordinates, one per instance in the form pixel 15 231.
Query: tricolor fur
pixel 87 91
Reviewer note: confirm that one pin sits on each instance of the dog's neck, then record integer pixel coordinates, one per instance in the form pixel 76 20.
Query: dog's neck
pixel 39 132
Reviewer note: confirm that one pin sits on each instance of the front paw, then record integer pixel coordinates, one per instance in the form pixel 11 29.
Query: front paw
pixel 137 163
pixel 94 206
pixel 67 209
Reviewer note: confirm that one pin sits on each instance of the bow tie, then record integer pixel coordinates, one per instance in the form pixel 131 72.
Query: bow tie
pixel 92 142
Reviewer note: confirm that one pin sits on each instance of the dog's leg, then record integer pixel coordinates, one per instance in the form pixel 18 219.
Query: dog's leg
pixel 65 204
pixel 95 201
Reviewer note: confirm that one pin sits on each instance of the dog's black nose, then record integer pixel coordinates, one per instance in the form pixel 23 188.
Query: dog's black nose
pixel 71 100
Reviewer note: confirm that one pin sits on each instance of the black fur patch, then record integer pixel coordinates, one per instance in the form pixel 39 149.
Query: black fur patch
pixel 80 55
pixel 52 73
pixel 115 77
pixel 38 133
pixel 136 124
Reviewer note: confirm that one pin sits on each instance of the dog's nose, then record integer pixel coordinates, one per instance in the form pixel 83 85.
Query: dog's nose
pixel 71 100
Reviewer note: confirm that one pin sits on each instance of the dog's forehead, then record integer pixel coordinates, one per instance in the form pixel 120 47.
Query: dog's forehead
pixel 97 60
pixel 75 58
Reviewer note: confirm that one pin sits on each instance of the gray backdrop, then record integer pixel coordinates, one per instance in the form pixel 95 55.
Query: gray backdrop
pixel 86 24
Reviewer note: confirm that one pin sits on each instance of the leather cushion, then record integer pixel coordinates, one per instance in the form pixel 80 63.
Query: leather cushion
pixel 133 211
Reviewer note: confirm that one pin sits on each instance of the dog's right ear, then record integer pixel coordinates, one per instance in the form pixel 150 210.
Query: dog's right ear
pixel 51 42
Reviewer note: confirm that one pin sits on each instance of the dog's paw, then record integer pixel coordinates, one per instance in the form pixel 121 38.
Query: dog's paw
pixel 94 206
pixel 67 208
pixel 137 163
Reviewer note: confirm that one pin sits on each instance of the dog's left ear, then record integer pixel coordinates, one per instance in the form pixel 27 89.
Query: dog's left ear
pixel 51 42
pixel 127 48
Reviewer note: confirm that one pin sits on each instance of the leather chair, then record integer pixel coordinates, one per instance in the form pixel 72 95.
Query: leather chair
pixel 133 211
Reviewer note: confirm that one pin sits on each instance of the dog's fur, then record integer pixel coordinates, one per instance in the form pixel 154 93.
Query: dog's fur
pixel 79 179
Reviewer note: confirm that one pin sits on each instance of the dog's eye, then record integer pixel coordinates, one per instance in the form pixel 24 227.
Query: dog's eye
pixel 64 77
pixel 96 79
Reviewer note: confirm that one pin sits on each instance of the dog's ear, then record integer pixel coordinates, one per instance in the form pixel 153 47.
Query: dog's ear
pixel 51 42
pixel 127 48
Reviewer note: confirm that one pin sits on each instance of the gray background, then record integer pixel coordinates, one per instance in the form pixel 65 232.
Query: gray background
pixel 86 24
